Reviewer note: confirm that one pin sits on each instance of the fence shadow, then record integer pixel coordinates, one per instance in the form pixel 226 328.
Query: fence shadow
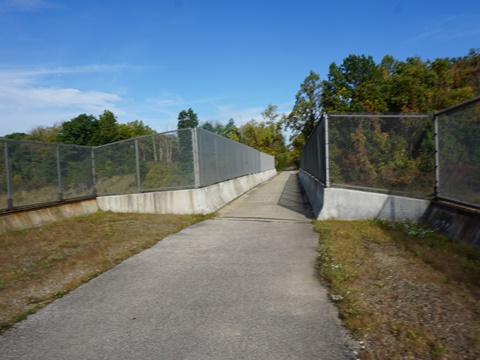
pixel 294 198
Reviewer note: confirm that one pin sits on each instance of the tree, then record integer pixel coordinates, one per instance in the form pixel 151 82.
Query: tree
pixel 307 109
pixel 187 119
pixel 107 130
pixel 355 86
pixel 266 136
pixel 79 130
pixel 16 136
pixel 45 133
pixel 133 129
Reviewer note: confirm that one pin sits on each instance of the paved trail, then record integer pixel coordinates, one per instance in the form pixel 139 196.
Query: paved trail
pixel 240 286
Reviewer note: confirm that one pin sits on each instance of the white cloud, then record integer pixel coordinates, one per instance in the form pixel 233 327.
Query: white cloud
pixel 27 101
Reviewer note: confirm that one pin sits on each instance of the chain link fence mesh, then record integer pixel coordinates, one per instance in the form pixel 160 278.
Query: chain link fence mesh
pixel 390 153
pixel 76 171
pixel 399 153
pixel 459 154
pixel 3 177
pixel 115 170
pixel 313 157
pixel 222 159
pixel 166 161
pixel 33 173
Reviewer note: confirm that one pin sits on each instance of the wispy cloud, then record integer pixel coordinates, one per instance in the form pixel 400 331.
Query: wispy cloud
pixel 452 27
pixel 177 101
pixel 12 71
pixel 27 5
pixel 26 98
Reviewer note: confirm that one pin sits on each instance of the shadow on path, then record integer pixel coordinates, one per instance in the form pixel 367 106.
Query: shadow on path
pixel 294 198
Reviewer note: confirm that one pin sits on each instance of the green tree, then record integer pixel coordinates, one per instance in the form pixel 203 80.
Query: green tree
pixel 187 119
pixel 266 136
pixel 354 86
pixel 411 87
pixel 307 109
pixel 107 130
pixel 45 133
pixel 16 136
pixel 79 130
pixel 133 129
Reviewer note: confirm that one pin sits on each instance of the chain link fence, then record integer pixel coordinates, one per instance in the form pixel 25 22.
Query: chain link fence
pixel 33 173
pixel 459 153
pixel 418 155
pixel 221 159
pixel 382 153
pixel 314 157
pixel 38 173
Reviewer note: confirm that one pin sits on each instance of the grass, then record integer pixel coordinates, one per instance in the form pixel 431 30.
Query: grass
pixel 401 289
pixel 42 264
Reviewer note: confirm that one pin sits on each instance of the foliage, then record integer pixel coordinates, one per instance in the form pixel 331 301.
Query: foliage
pixel 394 86
pixel 80 130
pixel 187 119
pixel 307 109
pixel 229 130
pixel 266 136
pixel 107 130
pixel 133 129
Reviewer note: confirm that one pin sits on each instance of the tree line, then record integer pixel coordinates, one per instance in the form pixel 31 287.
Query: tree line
pixel 360 85
pixel 86 130
pixel 357 85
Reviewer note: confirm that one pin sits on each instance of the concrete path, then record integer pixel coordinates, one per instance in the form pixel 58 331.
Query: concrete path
pixel 240 286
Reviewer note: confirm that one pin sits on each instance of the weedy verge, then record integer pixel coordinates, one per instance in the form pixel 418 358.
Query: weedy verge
pixel 401 289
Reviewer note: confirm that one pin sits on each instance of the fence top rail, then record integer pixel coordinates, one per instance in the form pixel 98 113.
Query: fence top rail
pixel 455 107
pixel 383 115
pixel 2 139
pixel 142 137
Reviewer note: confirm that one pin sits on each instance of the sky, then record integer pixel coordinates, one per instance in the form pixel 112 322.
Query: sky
pixel 150 59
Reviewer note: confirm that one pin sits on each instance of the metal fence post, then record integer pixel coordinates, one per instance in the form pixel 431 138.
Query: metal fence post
pixel 94 179
pixel 59 174
pixel 9 180
pixel 327 156
pixel 196 165
pixel 437 156
pixel 137 161
pixel 215 139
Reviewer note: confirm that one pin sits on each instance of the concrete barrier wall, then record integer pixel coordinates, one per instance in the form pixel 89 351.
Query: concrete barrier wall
pixel 28 219
pixel 353 204
pixel 458 223
pixel 345 204
pixel 192 201
pixel 314 191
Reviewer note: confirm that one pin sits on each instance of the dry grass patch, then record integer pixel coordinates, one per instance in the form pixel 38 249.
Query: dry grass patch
pixel 41 264
pixel 405 292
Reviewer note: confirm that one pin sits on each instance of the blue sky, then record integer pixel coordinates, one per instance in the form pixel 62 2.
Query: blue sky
pixel 148 60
